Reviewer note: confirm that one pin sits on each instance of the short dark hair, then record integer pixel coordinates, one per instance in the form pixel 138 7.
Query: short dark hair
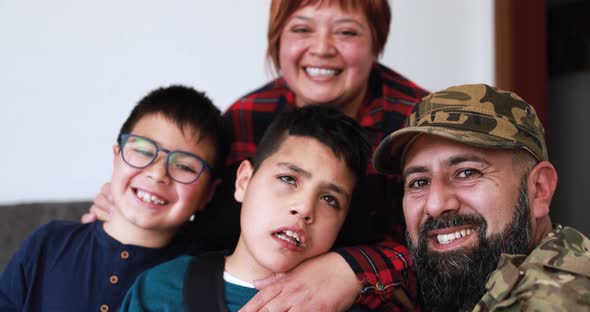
pixel 342 134
pixel 186 107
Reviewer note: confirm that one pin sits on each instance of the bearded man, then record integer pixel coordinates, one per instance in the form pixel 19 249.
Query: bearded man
pixel 477 191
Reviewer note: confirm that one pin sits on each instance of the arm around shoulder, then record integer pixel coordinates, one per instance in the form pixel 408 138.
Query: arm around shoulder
pixel 385 272
pixel 323 283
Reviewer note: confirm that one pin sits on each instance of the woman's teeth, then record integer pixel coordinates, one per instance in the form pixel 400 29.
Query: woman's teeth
pixel 320 72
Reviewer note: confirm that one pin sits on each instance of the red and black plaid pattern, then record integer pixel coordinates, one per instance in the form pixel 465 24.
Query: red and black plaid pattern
pixel 390 100
pixel 382 269
pixel 248 118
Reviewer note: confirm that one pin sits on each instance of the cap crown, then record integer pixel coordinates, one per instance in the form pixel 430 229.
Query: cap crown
pixel 476 114
pixel 482 115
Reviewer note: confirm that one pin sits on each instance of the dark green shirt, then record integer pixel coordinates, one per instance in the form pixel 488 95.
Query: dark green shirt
pixel 161 289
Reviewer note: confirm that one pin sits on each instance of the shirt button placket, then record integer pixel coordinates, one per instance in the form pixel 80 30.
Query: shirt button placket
pixel 114 279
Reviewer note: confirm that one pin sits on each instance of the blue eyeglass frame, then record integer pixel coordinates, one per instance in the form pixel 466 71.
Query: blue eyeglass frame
pixel 125 136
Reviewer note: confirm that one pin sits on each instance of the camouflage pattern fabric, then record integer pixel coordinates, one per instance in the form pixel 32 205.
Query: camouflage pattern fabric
pixel 478 115
pixel 554 277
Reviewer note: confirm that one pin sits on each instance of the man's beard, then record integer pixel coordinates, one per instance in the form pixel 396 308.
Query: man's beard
pixel 455 280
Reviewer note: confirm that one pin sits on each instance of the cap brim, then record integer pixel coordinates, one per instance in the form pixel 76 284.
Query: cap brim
pixel 388 155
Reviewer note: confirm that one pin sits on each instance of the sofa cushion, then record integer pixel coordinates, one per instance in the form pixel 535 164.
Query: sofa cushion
pixel 20 220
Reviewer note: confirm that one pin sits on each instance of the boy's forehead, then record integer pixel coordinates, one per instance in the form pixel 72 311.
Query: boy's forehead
pixel 291 142
pixel 165 131
pixel 311 160
pixel 152 122
pixel 305 151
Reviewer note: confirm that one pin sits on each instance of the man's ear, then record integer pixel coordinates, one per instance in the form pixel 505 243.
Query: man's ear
pixel 541 184
pixel 243 176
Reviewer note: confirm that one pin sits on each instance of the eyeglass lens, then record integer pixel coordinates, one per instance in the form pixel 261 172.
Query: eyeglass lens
pixel 183 167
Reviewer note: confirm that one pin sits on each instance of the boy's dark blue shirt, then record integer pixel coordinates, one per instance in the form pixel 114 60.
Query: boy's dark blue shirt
pixel 67 266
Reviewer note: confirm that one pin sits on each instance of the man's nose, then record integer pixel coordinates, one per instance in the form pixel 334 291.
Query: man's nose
pixel 441 198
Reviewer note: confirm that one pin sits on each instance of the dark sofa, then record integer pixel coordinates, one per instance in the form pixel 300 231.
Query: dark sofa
pixel 18 221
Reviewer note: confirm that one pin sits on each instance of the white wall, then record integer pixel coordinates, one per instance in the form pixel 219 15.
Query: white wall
pixel 70 72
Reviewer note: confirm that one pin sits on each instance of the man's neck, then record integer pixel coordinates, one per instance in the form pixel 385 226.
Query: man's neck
pixel 543 228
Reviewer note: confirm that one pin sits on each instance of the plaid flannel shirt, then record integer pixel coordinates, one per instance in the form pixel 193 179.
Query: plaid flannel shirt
pixel 384 265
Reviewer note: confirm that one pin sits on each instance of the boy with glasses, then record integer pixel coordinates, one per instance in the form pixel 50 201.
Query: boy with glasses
pixel 162 174
pixel 295 196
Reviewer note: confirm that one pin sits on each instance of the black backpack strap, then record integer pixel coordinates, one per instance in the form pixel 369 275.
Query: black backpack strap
pixel 203 288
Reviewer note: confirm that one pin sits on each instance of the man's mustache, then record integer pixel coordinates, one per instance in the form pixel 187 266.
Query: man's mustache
pixel 450 220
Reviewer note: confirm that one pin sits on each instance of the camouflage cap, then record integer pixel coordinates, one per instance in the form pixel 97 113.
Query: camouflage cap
pixel 477 114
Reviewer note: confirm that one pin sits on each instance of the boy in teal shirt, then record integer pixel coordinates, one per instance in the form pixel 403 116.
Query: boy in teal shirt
pixel 295 196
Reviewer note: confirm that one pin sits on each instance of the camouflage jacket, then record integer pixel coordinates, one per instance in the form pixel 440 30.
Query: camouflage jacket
pixel 554 277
